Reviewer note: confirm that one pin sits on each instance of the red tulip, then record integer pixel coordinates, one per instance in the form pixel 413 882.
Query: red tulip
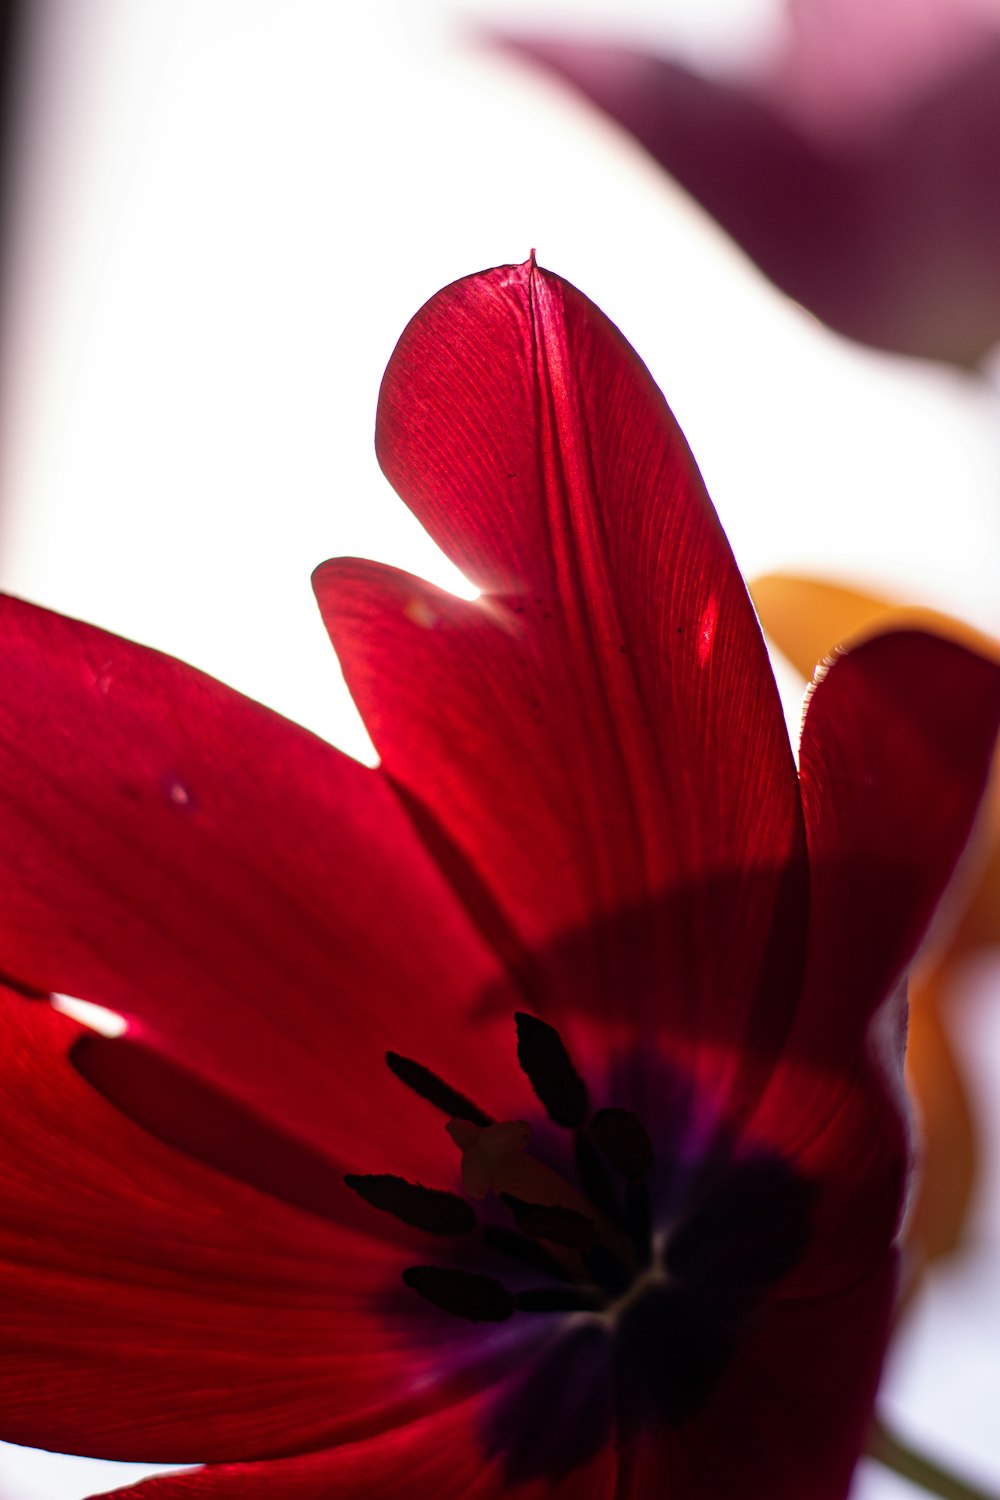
pixel 857 167
pixel 521 1117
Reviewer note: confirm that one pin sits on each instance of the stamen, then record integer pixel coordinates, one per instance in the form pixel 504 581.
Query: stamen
pixel 638 1219
pixel 608 1271
pixel 543 1057
pixel 434 1089
pixel 489 1154
pixel 561 1299
pixel 596 1179
pixel 626 1147
pixel 561 1226
pixel 479 1299
pixel 494 1160
pixel 623 1142
pixel 424 1208
pixel 529 1252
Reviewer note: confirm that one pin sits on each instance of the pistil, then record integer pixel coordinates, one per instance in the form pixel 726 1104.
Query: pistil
pixel 494 1159
pixel 593 1241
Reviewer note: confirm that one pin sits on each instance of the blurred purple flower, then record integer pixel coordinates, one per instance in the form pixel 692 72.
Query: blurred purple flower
pixel 858 166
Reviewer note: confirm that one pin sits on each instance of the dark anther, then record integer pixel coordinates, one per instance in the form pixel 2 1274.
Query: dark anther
pixel 607 1271
pixel 480 1299
pixel 561 1226
pixel 638 1219
pixel 543 1057
pixel 424 1208
pixel 519 1247
pixel 597 1181
pixel 561 1299
pixel 623 1142
pixel 432 1088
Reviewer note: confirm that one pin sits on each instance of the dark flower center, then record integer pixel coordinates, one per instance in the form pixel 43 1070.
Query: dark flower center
pixel 647 1260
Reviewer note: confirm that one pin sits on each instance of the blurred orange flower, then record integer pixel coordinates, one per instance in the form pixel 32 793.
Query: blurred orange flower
pixel 807 618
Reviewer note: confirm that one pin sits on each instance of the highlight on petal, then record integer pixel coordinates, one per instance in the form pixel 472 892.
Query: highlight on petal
pixel 95 1017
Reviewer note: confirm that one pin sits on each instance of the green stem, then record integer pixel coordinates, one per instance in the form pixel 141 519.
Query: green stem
pixel 889 1450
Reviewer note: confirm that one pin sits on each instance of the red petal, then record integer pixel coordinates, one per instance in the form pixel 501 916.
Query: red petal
pixel 847 1136
pixel 253 902
pixel 896 749
pixel 788 1420
pixel 791 1415
pixel 152 1309
pixel 595 747
pixel 439 1456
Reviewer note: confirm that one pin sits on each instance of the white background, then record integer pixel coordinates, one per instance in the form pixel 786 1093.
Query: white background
pixel 228 210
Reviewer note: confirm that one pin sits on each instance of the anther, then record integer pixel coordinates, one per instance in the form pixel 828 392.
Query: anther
pixel 597 1181
pixel 608 1271
pixel 494 1160
pixel 543 1057
pixel 527 1251
pixel 434 1089
pixel 424 1208
pixel 560 1226
pixel 623 1142
pixel 626 1147
pixel 479 1299
pixel 561 1299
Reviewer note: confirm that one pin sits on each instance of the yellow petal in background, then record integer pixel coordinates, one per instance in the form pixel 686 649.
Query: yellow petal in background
pixel 807 619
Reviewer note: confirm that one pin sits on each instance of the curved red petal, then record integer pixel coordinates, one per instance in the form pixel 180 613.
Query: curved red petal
pixel 226 882
pixel 846 1134
pixel 155 1310
pixel 595 747
pixel 789 1419
pixel 438 1456
pixel 792 1414
pixel 896 749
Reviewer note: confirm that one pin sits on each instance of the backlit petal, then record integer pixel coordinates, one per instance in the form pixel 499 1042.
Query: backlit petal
pixel 896 748
pixel 225 881
pixel 790 1416
pixel 153 1309
pixel 594 747
pixel 807 618
pixel 439 1456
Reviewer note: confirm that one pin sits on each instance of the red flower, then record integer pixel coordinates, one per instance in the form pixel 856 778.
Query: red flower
pixel 856 167
pixel 587 819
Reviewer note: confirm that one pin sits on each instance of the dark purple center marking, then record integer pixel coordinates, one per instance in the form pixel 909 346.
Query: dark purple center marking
pixel 651 1257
